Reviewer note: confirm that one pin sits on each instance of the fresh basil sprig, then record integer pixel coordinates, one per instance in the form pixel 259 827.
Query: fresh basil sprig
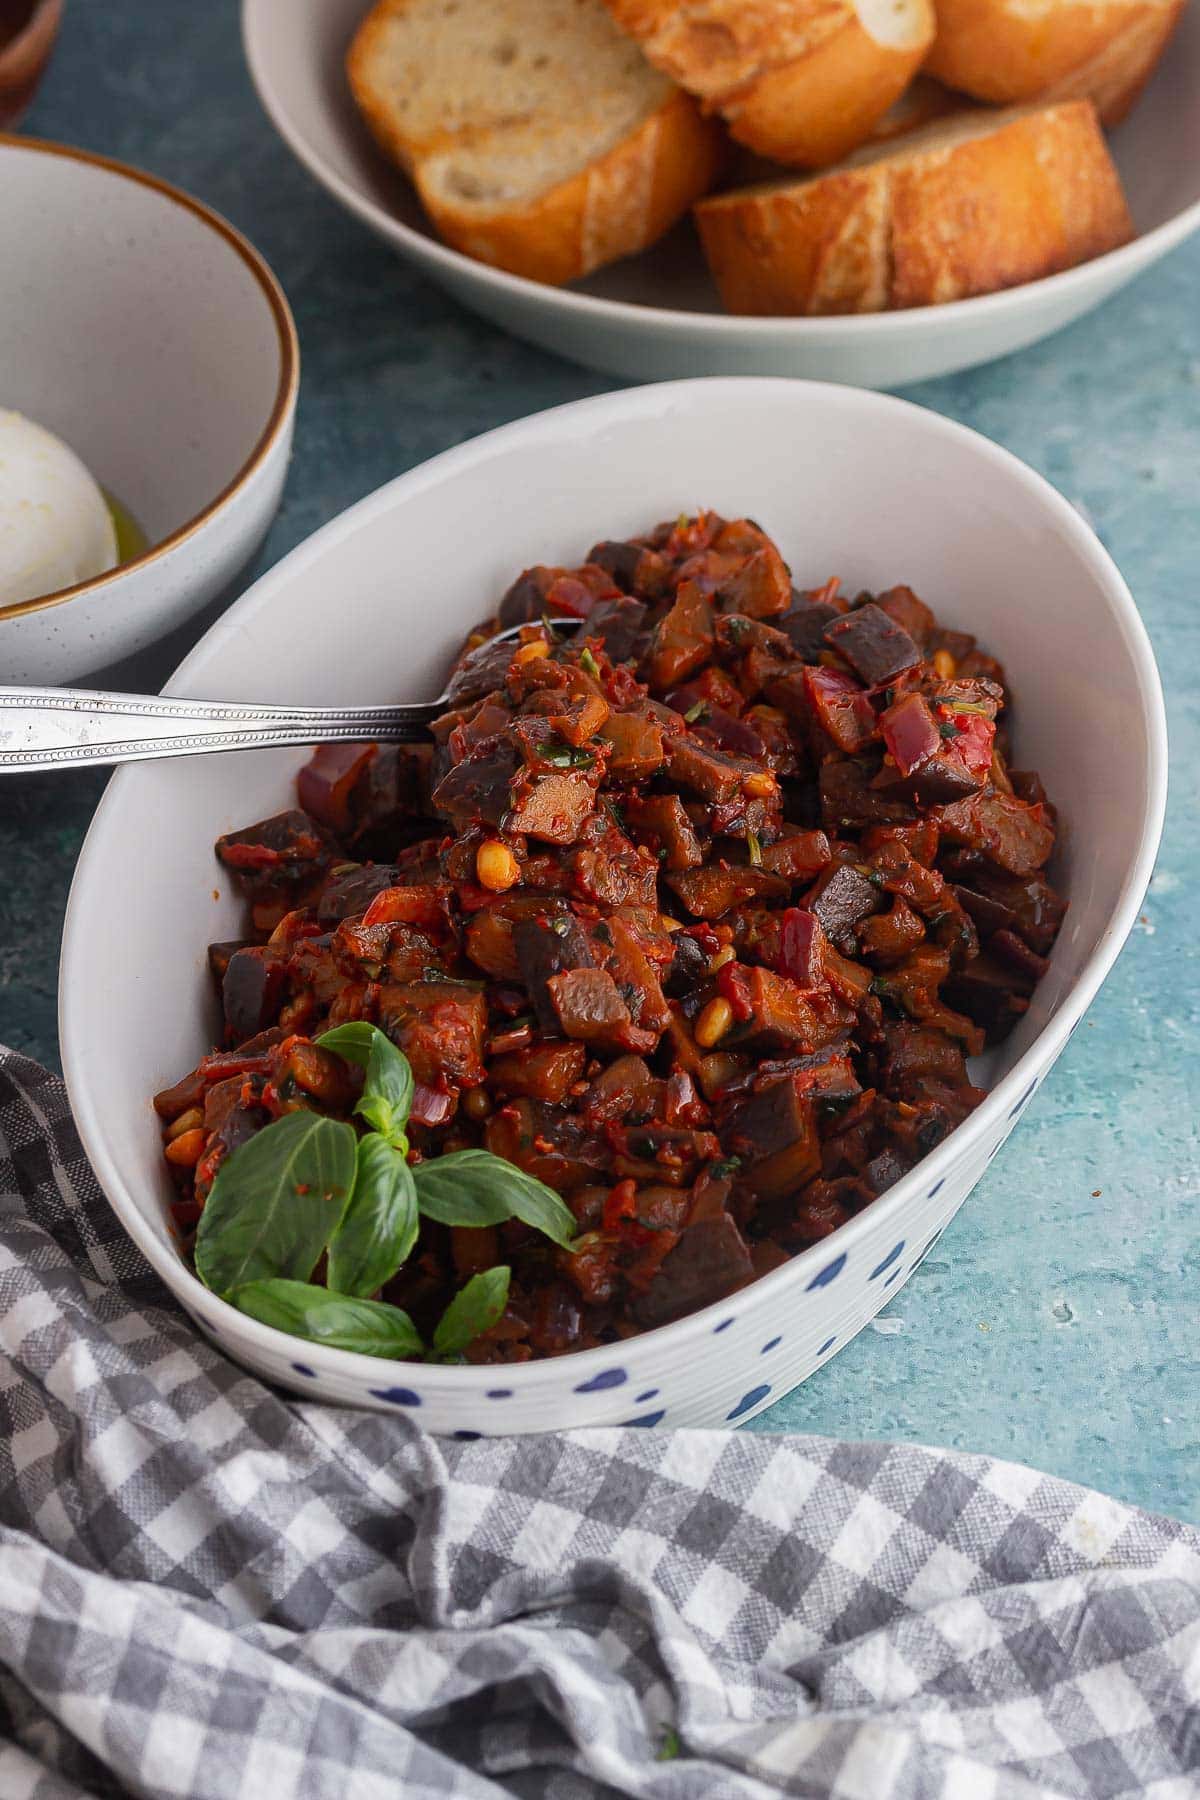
pixel 276 1202
pixel 307 1186
pixel 473 1187
pixel 378 1229
pixel 343 1323
pixel 387 1094
pixel 474 1309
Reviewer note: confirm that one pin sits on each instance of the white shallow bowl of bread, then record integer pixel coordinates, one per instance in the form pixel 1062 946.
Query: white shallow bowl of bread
pixel 845 481
pixel 530 157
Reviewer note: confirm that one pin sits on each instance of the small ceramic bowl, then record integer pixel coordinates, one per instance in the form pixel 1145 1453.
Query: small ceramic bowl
pixel 143 330
pixel 871 488
pixel 28 30
pixel 656 316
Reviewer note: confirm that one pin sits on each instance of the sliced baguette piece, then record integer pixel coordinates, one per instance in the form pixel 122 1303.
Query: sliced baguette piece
pixel 1023 50
pixel 541 204
pixel 799 81
pixel 538 136
pixel 980 201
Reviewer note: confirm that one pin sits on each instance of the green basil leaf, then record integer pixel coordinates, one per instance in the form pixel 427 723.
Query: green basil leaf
pixel 474 1309
pixel 336 1320
pixel 388 1089
pixel 473 1187
pixel 276 1202
pixel 379 1227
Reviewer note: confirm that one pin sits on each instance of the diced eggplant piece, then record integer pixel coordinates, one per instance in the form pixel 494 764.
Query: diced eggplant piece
pixel 170 1102
pixel 392 799
pixel 546 1071
pixel 660 822
pixel 252 991
pixel 481 671
pixel 350 889
pixel 917 1052
pixel 905 610
pixel 842 899
pixel 876 648
pixel 478 789
pixel 689 966
pixel 773 1013
pixel 1002 828
pixel 1031 907
pixel 885 1170
pixel 889 937
pixel 552 808
pixel 1016 954
pixel 712 774
pixel 1027 785
pixel 440 1028
pixel 545 947
pixel 709 1261
pixel 758 586
pixel 684 640
pixel 553 1146
pixel 850 803
pixel 619 561
pixel 221 955
pixel 589 1007
pixel 328 779
pixel 805 623
pixel 285 852
pixel 660 1153
pixel 620 625
pixel 625 1089
pixel 770 1120
pixel 831 700
pixel 710 891
pixel 610 871
pixel 993 995
pixel 798 856
pixel 525 600
pixel 637 746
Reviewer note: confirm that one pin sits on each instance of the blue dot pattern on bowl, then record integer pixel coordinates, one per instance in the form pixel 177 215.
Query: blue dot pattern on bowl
pixel 896 1251
pixel 396 1396
pixel 770 1345
pixel 607 1378
pixel 829 1273
pixel 650 1394
pixel 646 1418
pixel 751 1399
pixel 827 1345
pixel 936 1189
pixel 499 1394
pixel 894 1276
pixel 723 1326
pixel 995 1150
pixel 468 1437
pixel 303 1369
pixel 1026 1097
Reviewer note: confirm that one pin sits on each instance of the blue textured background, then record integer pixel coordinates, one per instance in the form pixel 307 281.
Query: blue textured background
pixel 1057 1320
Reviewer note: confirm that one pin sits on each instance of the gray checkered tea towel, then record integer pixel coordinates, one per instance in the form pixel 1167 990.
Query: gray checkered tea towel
pixel 213 1592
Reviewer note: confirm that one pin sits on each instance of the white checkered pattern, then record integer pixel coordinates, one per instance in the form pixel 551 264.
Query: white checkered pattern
pixel 212 1592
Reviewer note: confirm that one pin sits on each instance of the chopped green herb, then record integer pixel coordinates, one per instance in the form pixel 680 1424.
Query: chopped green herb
pixel 565 756
pixel 948 729
pixel 588 664
pixel 727 1169
pixel 549 628
pixel 432 973
pixel 695 713
pixel 755 849
pixel 614 812
pixel 668 1750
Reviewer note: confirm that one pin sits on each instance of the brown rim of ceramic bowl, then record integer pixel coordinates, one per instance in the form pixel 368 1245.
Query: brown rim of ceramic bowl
pixel 289 365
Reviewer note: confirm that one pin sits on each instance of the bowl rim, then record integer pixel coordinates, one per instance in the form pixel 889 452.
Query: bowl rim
pixel 625 406
pixel 905 323
pixel 286 388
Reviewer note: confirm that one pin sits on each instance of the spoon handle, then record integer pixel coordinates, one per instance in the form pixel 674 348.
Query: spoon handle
pixel 61 728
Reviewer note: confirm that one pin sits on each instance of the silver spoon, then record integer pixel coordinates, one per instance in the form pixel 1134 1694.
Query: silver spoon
pixel 68 728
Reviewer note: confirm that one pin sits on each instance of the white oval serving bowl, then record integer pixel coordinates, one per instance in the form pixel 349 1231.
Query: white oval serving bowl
pixel 370 609
pixel 656 316
pixel 145 331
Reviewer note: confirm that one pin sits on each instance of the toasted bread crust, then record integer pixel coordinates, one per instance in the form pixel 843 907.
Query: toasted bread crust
pixel 615 207
pixel 800 81
pixel 1032 195
pixel 1009 51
